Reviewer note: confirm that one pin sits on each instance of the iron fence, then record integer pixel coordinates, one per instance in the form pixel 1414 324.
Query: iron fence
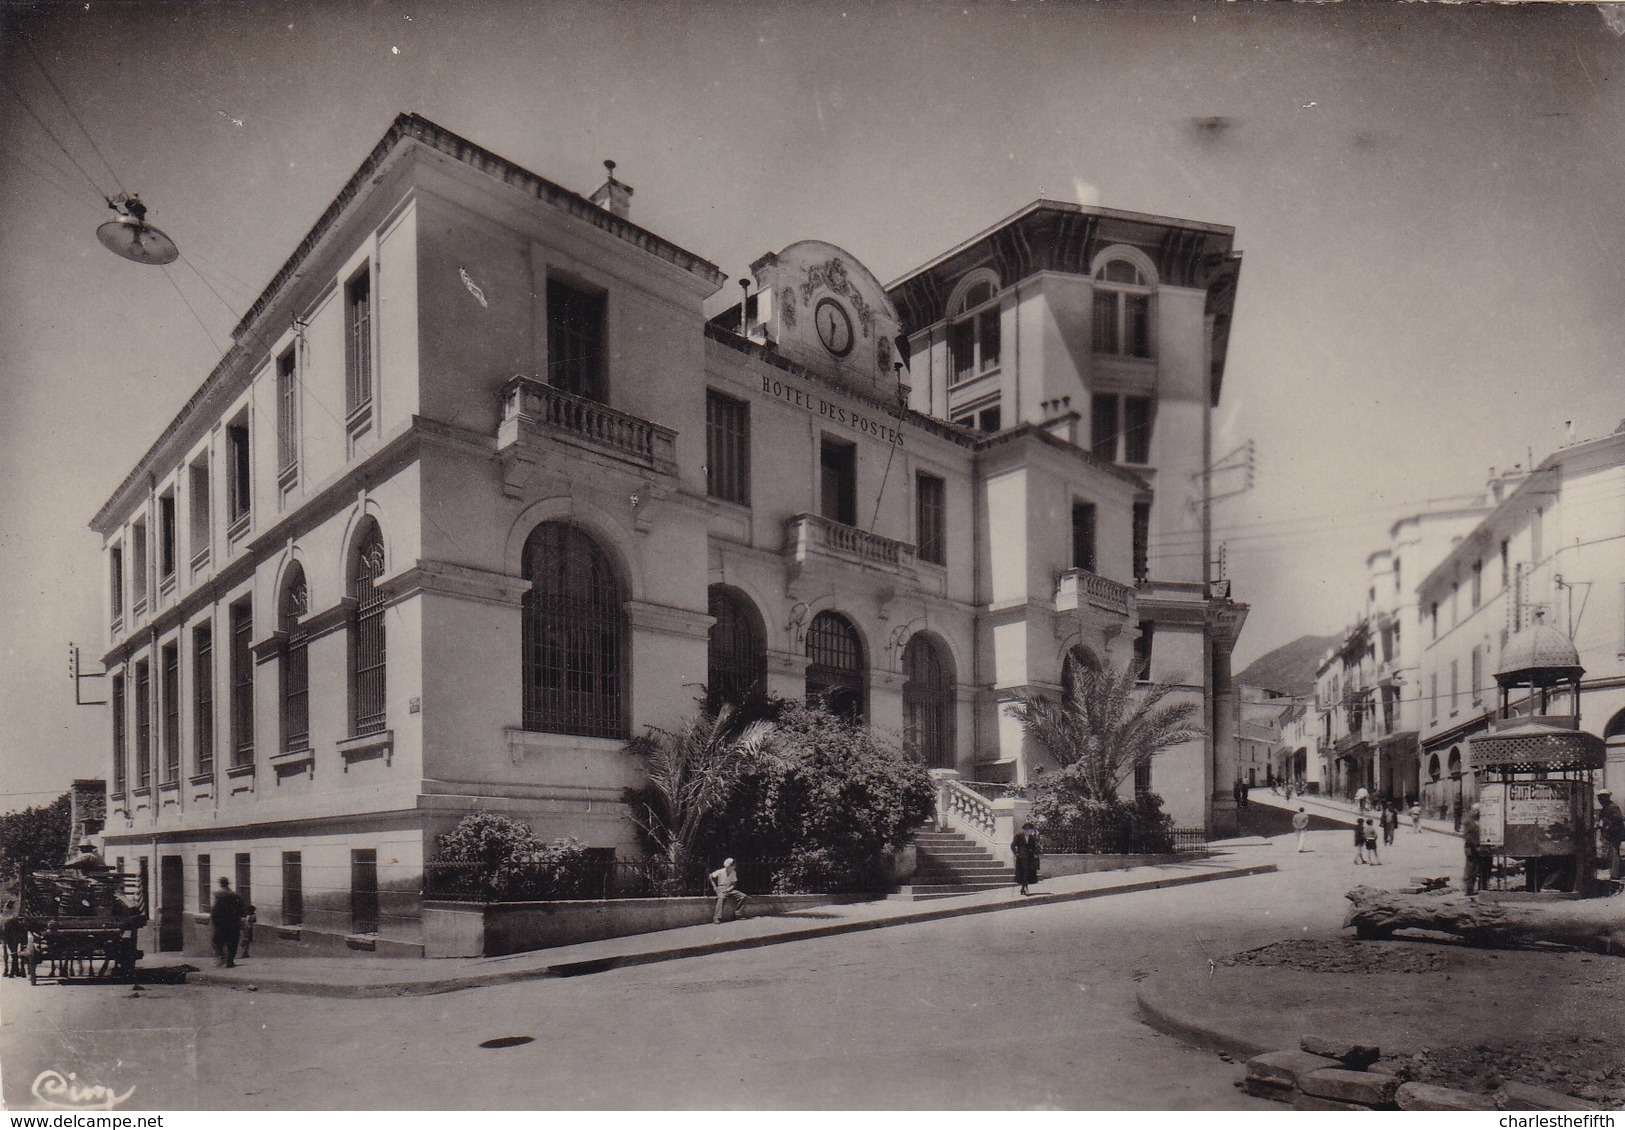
pixel 583 880
pixel 1123 841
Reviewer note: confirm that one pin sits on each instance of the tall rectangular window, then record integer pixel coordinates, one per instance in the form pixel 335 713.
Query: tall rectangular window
pixel 1433 618
pixel 1506 563
pixel 838 481
pixel 1137 429
pixel 198 511
pixel 166 535
pixel 575 340
pixel 203 699
pixel 1103 426
pixel 143 726
pixel 727 448
pixel 170 659
pixel 1122 323
pixel 138 566
pixel 293 889
pixel 931 518
pixel 357 346
pixel 1475 688
pixel 1142 779
pixel 1142 650
pixel 1083 536
pixel 1455 686
pixel 242 683
pixel 1478 583
pixel 121 769
pixel 239 473
pixel 205 884
pixel 115 578
pixel 1537 525
pixel 364 890
pixel 1142 541
pixel 245 877
pixel 287 416
pixel 1455 603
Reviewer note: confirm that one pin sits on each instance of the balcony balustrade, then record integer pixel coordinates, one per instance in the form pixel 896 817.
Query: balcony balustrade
pixel 529 404
pixel 1077 587
pixel 809 534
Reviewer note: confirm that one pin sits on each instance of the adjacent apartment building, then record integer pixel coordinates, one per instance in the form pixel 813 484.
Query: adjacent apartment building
pixel 479 492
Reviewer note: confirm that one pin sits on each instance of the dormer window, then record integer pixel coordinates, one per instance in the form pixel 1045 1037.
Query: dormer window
pixel 973 334
pixel 1122 309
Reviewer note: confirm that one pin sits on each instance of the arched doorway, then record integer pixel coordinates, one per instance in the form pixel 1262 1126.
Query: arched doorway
pixel 837 674
pixel 928 701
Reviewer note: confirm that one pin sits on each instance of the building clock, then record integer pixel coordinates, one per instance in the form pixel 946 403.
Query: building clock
pixel 834 326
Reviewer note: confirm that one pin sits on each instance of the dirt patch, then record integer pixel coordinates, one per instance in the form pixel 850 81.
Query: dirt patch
pixel 1587 1067
pixel 1342 955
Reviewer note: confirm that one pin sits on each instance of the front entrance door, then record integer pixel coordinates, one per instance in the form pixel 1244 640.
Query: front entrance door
pixel 171 896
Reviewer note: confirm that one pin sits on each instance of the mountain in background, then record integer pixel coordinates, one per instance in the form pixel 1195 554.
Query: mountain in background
pixel 1290 668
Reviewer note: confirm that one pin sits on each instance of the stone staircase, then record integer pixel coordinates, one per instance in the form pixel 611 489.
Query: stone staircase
pixel 949 864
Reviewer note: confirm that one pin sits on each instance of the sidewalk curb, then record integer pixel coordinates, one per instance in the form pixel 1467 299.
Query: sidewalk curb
pixel 1160 1016
pixel 585 966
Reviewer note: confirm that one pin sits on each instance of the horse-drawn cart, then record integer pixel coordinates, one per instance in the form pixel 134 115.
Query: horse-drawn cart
pixel 81 922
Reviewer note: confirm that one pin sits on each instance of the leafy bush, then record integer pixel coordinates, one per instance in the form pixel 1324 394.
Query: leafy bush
pixel 1072 822
pixel 825 796
pixel 35 839
pixel 496 858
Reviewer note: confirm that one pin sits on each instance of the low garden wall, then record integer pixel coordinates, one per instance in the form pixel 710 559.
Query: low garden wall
pixel 1054 866
pixel 472 929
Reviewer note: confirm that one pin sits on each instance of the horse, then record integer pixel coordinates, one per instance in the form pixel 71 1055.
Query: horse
pixel 14 937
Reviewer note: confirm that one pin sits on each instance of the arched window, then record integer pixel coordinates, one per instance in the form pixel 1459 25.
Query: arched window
pixel 1122 309
pixel 973 333
pixel 1078 657
pixel 1455 761
pixel 928 701
pixel 1615 727
pixel 1433 767
pixel 736 659
pixel 836 674
pixel 367 712
pixel 574 636
pixel 295 660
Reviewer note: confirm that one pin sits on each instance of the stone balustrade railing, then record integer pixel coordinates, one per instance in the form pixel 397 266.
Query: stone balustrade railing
pixel 991 823
pixel 1080 586
pixel 528 401
pixel 812 532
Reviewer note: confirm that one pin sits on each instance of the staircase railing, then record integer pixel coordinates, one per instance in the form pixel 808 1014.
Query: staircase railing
pixel 991 823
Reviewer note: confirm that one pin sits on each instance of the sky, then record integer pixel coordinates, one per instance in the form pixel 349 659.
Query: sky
pixel 1425 196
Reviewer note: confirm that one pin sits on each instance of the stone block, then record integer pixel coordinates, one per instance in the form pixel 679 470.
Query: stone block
pixel 1315 1102
pixel 1347 1052
pixel 1430 1096
pixel 1522 1096
pixel 1366 1087
pixel 1284 1068
pixel 1272 1091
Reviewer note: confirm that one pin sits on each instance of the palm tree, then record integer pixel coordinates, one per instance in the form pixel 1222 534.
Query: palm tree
pixel 1107 726
pixel 690 771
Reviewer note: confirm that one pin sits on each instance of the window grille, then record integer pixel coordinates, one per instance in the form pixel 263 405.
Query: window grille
pixel 736 659
pixel 574 636
pixel 930 518
pixel 121 769
pixel 928 702
pixel 295 664
pixel 575 340
pixel 242 683
pixel 727 442
pixel 836 673
pixel 171 659
pixel 203 697
pixel 367 660
pixel 358 344
pixel 293 889
pixel 143 727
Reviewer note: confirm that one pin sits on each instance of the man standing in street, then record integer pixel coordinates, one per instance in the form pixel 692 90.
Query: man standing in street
pixel 1611 827
pixel 1300 825
pixel 725 882
pixel 226 919
pixel 1476 876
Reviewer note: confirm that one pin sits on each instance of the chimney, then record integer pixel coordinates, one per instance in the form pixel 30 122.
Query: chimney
pixel 612 195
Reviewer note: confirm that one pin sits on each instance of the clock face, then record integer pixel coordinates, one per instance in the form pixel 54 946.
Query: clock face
pixel 834 326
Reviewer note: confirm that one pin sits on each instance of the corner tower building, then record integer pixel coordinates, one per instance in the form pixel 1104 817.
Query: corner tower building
pixel 479 493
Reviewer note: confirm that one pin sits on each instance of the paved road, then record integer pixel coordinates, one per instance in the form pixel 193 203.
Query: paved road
pixel 1033 1007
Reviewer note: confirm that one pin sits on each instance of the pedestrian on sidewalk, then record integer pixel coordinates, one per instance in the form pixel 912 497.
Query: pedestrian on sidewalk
pixel 226 921
pixel 1300 825
pixel 1390 823
pixel 1028 851
pixel 1611 827
pixel 1359 840
pixel 725 882
pixel 1476 875
pixel 1371 843
pixel 1362 798
pixel 1416 817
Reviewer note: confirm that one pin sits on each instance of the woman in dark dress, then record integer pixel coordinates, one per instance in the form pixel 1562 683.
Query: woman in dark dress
pixel 1027 851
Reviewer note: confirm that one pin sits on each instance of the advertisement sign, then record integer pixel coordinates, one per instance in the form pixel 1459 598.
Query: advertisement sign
pixel 1539 817
pixel 1492 801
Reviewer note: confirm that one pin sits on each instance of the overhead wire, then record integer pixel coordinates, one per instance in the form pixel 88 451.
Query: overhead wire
pixel 68 106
